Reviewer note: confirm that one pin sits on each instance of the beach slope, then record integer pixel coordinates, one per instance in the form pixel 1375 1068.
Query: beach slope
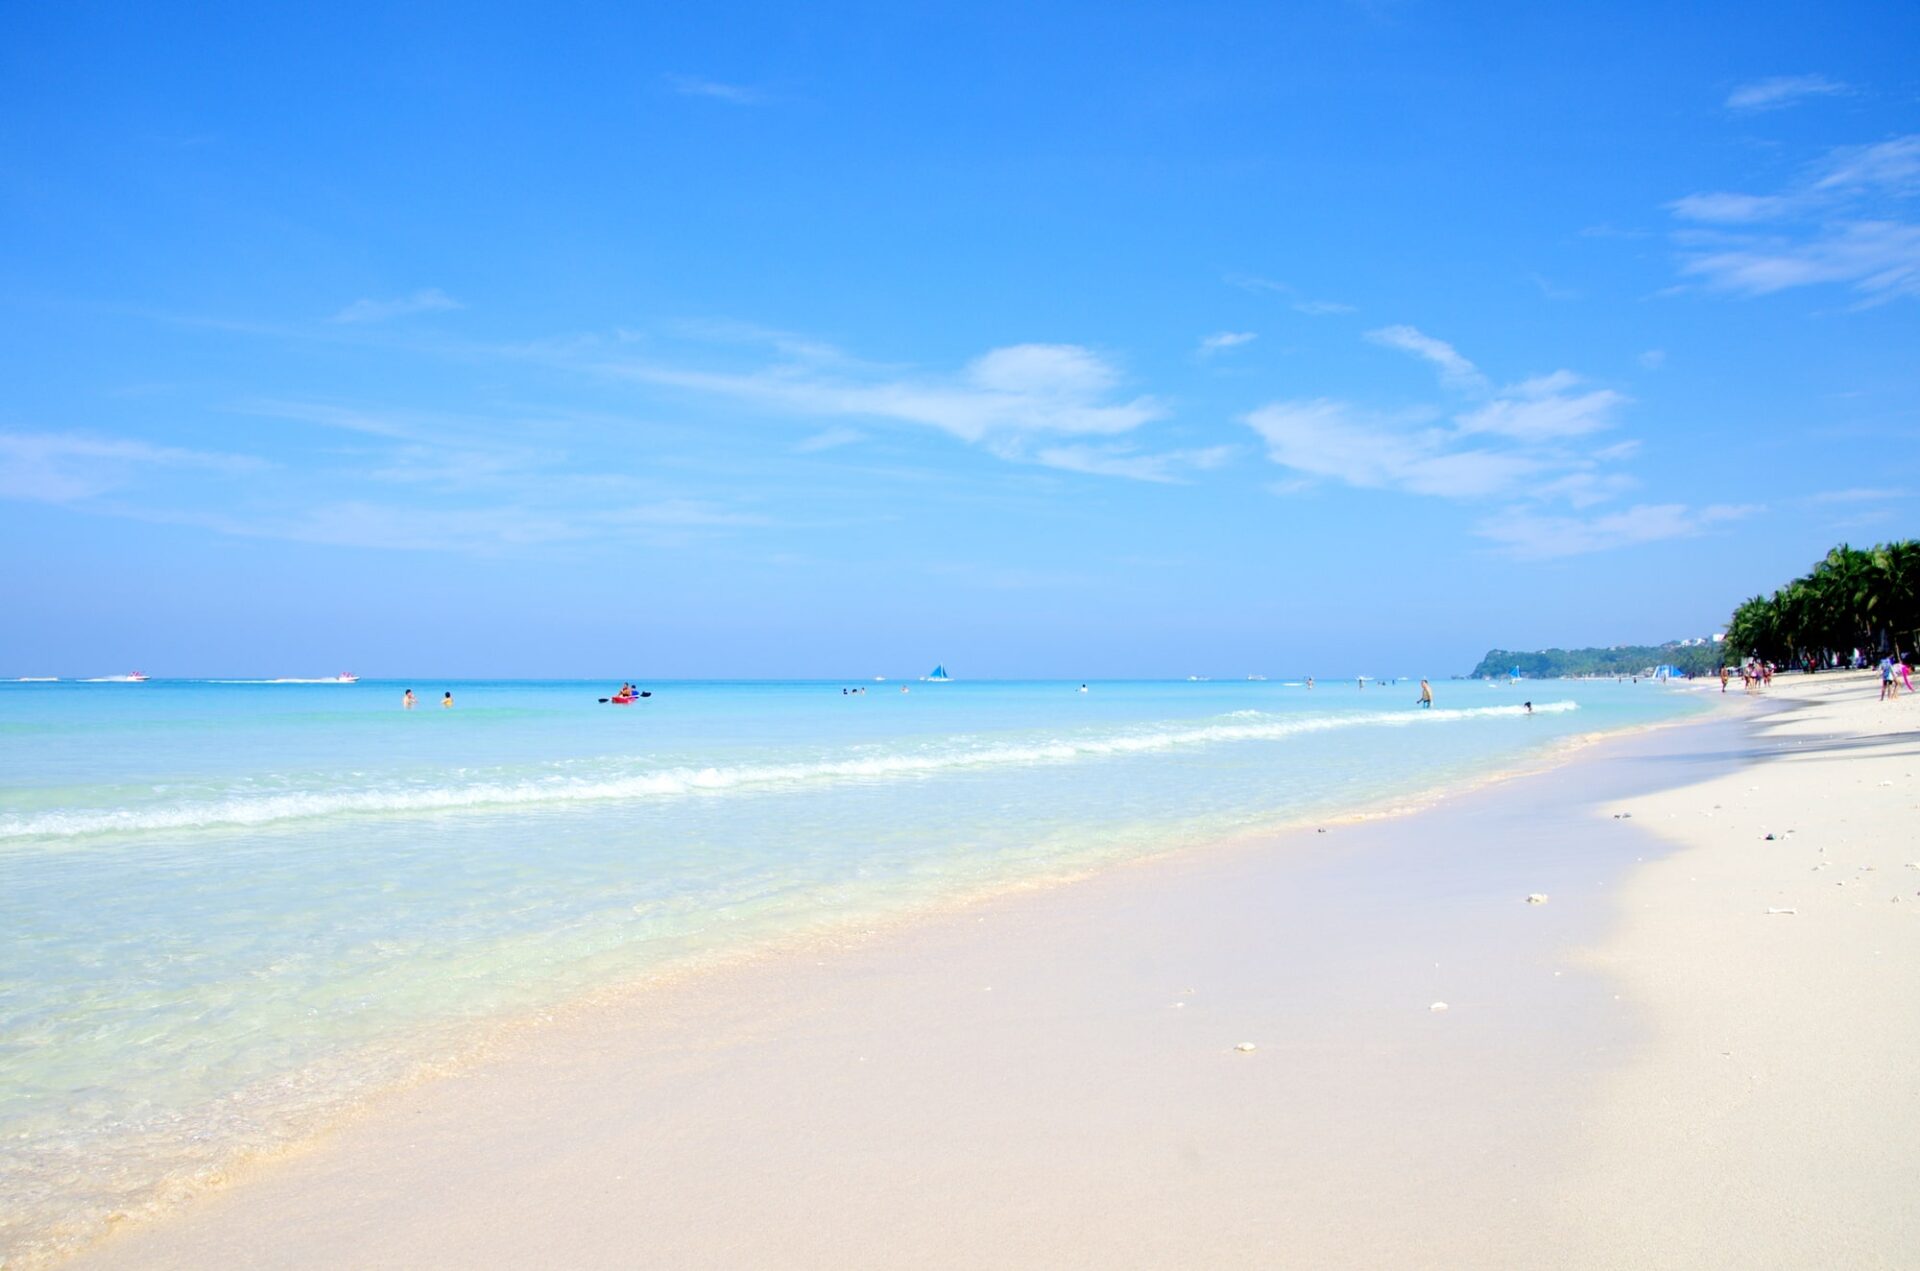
pixel 1648 1069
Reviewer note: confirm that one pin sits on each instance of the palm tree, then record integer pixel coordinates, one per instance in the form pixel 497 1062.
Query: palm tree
pixel 1850 599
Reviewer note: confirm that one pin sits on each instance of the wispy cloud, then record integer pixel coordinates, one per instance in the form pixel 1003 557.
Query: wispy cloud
pixel 733 94
pixel 1551 290
pixel 1545 409
pixel 1653 359
pixel 1880 259
pixel 1731 209
pixel 1337 441
pixel 1226 340
pixel 1455 371
pixel 1857 494
pixel 828 439
pixel 74 467
pixel 427 300
pixel 1781 90
pixel 1893 166
pixel 1254 282
pixel 1527 445
pixel 1845 222
pixel 1271 286
pixel 1016 392
pixel 1531 535
pixel 1167 468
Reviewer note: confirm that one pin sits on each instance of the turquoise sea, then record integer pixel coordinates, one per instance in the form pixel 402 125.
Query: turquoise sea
pixel 228 909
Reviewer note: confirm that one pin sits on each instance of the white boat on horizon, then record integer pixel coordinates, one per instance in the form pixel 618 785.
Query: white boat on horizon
pixel 134 677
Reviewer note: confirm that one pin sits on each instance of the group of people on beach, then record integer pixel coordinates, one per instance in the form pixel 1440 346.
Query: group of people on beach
pixel 1757 673
pixel 1754 673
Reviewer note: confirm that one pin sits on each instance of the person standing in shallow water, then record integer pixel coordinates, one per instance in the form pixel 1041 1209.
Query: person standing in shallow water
pixel 1426 695
pixel 446 700
pixel 406 700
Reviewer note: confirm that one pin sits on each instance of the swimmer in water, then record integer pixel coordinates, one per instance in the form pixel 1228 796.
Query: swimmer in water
pixel 407 700
pixel 446 701
pixel 1529 706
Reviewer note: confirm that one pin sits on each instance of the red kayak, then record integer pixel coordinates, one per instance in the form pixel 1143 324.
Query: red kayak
pixel 625 700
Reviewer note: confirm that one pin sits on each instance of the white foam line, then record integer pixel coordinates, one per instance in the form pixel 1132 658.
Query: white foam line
pixel 267 809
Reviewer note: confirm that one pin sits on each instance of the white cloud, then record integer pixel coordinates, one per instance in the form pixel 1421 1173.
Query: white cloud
pixel 1525 445
pixel 427 300
pixel 1546 415
pixel 1878 258
pixel 1585 489
pixel 1062 372
pixel 1226 340
pixel 1543 385
pixel 73 467
pixel 1654 359
pixel 1514 443
pixel 1857 494
pixel 1844 224
pixel 829 439
pixel 1334 440
pixel 1171 467
pixel 1531 535
pixel 733 94
pixel 1731 208
pixel 1017 391
pixel 1313 308
pixel 1781 90
pixel 1891 165
pixel 1455 371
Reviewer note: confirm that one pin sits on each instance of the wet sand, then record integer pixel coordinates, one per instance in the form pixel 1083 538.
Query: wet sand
pixel 1052 1079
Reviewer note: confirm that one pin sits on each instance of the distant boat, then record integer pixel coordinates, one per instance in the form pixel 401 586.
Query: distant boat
pixel 937 676
pixel 342 678
pixel 39 679
pixel 137 677
pixel 1257 678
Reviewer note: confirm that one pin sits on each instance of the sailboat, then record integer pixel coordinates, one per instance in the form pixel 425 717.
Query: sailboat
pixel 937 676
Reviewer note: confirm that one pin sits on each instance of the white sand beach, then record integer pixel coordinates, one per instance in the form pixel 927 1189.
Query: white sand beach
pixel 1655 1067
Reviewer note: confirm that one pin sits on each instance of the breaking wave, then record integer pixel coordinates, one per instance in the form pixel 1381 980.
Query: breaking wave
pixel 266 809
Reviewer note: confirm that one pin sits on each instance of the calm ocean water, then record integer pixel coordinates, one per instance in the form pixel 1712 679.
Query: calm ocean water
pixel 226 909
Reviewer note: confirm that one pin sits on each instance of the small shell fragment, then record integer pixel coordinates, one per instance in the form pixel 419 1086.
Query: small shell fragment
pixel 1245 1046
pixel 1783 911
pixel 1438 1006
pixel 1536 898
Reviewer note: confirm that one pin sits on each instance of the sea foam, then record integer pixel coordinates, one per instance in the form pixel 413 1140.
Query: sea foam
pixel 265 809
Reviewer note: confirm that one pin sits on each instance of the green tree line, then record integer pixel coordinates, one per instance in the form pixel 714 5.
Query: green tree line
pixel 1854 599
pixel 1625 659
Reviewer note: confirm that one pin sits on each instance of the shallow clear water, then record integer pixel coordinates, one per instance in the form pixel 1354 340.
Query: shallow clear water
pixel 225 909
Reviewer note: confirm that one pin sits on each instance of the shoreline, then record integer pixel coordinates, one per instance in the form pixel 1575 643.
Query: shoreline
pixel 453 1047
pixel 674 1006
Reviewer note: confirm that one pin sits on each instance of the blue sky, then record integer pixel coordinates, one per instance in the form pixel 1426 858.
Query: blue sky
pixel 837 340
